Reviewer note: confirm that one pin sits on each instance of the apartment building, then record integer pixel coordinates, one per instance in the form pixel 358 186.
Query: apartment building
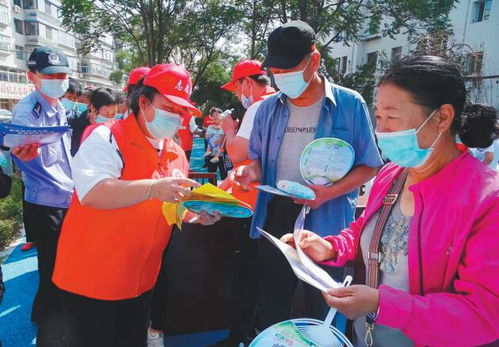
pixel 26 24
pixel 475 25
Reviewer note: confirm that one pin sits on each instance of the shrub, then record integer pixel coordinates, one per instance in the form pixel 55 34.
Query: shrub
pixel 11 214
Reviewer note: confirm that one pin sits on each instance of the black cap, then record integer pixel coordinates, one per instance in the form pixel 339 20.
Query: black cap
pixel 289 44
pixel 48 60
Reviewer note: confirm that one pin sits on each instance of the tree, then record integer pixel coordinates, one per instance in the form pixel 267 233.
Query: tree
pixel 187 32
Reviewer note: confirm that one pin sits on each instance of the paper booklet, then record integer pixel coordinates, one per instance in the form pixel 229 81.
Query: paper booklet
pixel 289 189
pixel 303 267
pixel 13 135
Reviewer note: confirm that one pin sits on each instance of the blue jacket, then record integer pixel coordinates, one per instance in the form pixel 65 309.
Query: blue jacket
pixel 47 178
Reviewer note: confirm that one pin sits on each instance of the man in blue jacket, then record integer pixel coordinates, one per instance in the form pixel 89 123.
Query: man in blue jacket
pixel 307 107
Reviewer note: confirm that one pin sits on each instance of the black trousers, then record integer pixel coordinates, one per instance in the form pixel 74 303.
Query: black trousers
pixel 277 283
pixel 212 167
pixel 188 155
pixel 28 229
pixel 244 282
pixel 45 223
pixel 101 323
pixel 194 291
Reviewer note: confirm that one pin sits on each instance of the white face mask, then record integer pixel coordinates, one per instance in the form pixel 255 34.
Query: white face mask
pixel 247 101
pixel 292 83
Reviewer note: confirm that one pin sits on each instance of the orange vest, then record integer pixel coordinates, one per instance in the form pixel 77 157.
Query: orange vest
pixel 186 137
pixel 116 254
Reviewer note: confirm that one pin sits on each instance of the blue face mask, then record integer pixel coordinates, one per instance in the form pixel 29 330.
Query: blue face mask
pixel 402 148
pixel 102 119
pixel 81 107
pixel 68 104
pixel 54 88
pixel 164 125
pixel 292 83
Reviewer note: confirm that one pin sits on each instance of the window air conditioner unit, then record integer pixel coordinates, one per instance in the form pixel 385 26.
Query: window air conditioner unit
pixel 17 9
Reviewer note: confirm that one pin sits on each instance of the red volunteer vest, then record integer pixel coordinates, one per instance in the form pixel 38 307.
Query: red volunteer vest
pixel 116 254
pixel 186 137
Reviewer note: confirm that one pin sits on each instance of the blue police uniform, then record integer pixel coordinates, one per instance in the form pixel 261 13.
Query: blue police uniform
pixel 47 178
pixel 48 188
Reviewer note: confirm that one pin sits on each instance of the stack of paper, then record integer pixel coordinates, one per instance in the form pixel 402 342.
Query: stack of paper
pixel 12 135
pixel 206 198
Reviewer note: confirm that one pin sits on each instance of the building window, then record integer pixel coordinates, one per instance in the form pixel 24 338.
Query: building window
pixel 66 39
pixel 481 10
pixel 372 59
pixel 341 65
pixel 19 26
pixel 48 9
pixel 20 53
pixel 30 4
pixel 472 64
pixel 4 43
pixel 4 15
pixel 396 54
pixel 17 3
pixel 31 28
pixel 49 30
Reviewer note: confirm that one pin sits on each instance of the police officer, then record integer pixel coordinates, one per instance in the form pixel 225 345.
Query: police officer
pixel 47 177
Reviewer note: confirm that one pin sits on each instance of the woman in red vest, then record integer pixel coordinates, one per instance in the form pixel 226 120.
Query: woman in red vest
pixel 114 233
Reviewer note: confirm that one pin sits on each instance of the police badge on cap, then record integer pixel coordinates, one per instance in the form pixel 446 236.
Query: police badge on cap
pixel 54 59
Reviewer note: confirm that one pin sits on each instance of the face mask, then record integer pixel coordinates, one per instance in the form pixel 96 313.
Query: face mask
pixel 68 104
pixel 164 125
pixel 102 119
pixel 247 101
pixel 402 148
pixel 292 83
pixel 81 107
pixel 54 88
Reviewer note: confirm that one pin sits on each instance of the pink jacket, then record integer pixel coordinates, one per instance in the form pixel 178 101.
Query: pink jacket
pixel 453 256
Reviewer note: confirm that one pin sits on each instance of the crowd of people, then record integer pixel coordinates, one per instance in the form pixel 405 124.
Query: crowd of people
pixel 423 253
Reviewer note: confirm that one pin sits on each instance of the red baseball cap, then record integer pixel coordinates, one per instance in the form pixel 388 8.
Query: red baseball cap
pixel 135 76
pixel 174 83
pixel 242 69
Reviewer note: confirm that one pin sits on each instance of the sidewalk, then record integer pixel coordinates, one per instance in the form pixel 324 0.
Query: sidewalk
pixel 20 274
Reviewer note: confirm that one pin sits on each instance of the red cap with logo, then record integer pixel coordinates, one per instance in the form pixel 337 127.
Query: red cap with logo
pixel 242 69
pixel 174 83
pixel 135 76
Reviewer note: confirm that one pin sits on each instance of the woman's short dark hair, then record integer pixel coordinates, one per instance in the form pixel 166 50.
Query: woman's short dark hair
pixel 103 97
pixel 433 81
pixel 139 90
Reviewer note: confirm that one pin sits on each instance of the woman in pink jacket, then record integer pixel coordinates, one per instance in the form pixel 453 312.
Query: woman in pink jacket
pixel 438 258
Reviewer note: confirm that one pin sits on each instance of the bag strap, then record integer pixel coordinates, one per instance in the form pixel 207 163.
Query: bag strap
pixel 374 255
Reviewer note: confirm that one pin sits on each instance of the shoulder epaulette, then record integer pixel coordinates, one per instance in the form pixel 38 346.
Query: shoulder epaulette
pixel 37 109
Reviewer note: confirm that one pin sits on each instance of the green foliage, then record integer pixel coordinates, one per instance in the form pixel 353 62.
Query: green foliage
pixel 116 76
pixel 11 215
pixel 208 92
pixel 206 35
